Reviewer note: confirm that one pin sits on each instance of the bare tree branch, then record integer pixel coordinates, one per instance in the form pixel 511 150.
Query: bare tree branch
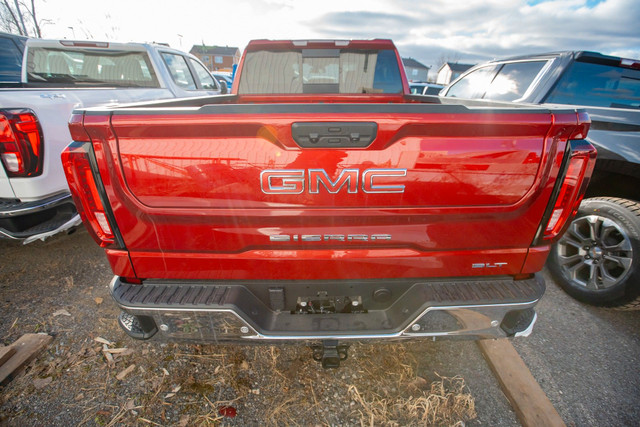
pixel 13 20
pixel 36 25
pixel 19 13
pixel 20 16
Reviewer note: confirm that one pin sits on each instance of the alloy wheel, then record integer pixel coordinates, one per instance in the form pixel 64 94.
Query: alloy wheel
pixel 595 253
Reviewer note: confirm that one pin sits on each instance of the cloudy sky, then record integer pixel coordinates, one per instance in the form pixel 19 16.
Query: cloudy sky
pixel 427 30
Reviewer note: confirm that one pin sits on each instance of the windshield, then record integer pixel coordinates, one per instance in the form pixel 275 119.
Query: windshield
pixel 97 67
pixel 320 71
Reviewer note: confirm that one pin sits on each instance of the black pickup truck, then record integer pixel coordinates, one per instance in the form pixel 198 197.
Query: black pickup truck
pixel 598 259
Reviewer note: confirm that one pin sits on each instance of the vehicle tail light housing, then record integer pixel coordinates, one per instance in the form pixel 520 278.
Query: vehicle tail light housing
pixel 21 143
pixel 582 159
pixel 76 161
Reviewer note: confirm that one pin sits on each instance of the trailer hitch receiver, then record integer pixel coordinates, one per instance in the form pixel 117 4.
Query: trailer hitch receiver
pixel 330 353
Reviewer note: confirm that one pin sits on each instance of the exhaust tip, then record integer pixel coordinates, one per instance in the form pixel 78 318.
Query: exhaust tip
pixel 137 327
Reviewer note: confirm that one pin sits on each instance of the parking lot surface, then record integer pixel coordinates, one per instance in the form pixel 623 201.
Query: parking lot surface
pixel 585 358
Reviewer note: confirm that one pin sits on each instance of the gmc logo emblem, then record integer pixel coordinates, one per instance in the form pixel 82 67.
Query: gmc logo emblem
pixel 295 181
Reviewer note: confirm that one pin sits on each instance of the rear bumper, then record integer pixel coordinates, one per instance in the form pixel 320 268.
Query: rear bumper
pixel 251 311
pixel 37 219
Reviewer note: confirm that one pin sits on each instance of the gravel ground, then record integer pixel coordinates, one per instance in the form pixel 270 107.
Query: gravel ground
pixel 586 360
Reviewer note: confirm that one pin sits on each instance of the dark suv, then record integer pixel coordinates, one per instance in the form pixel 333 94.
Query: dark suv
pixel 11 51
pixel 598 258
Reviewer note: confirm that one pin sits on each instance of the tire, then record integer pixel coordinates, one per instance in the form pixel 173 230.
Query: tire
pixel 597 260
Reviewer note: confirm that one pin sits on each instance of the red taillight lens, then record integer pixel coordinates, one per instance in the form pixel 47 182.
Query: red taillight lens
pixel 77 168
pixel 581 162
pixel 21 143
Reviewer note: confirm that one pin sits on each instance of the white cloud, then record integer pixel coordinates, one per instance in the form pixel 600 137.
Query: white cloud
pixel 471 30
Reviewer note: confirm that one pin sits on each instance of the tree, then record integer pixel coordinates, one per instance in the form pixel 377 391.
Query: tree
pixel 19 17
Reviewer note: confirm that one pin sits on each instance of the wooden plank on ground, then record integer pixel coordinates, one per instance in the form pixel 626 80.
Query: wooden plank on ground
pixel 532 406
pixel 6 353
pixel 26 349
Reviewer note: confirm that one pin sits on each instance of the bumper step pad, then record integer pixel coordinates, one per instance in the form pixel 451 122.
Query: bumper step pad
pixel 417 308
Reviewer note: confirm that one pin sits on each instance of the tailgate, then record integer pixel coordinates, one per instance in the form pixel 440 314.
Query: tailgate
pixel 327 191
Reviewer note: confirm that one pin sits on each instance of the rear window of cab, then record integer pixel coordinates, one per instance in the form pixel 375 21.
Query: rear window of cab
pixel 320 71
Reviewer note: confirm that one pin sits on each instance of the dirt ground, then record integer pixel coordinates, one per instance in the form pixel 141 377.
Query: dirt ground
pixel 93 374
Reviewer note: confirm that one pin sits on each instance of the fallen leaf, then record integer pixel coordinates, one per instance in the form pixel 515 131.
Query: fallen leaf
pixel 116 350
pixel 184 421
pixel 102 341
pixel 244 365
pixel 98 300
pixel 107 355
pixel 227 411
pixel 130 405
pixel 41 383
pixel 169 395
pixel 125 372
pixel 61 312
pixel 164 371
pixel 79 397
pixel 176 389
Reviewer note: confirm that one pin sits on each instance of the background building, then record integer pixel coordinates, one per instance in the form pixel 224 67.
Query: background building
pixel 217 58
pixel 416 71
pixel 449 71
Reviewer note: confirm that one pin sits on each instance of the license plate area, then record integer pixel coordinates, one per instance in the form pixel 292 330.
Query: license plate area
pixel 322 303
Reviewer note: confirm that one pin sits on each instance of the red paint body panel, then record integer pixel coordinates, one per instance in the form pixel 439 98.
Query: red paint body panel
pixel 536 258
pixel 185 192
pixel 219 188
pixel 445 168
pixel 120 262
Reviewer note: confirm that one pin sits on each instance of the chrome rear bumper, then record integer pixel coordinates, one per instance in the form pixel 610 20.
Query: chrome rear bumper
pixel 34 220
pixel 231 311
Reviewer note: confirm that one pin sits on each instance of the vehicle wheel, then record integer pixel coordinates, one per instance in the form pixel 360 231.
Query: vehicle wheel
pixel 597 260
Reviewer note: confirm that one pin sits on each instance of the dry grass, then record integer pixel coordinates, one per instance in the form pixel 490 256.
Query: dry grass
pixel 182 384
pixel 445 401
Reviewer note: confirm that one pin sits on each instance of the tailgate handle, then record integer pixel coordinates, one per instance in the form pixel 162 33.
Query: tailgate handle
pixel 334 134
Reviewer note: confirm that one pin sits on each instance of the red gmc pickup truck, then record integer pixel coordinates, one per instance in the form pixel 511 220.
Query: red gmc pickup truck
pixel 320 201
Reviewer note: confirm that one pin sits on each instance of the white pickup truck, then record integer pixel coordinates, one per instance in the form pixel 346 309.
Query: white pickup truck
pixel 59 76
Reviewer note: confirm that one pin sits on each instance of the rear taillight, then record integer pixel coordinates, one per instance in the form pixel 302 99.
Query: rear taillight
pixel 21 143
pixel 582 158
pixel 76 162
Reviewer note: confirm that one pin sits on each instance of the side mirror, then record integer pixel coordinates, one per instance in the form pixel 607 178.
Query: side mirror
pixel 224 89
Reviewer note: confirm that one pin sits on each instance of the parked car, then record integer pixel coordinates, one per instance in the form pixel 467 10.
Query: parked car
pixel 326 204
pixel 11 51
pixel 56 77
pixel 598 259
pixel 421 88
pixel 226 78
